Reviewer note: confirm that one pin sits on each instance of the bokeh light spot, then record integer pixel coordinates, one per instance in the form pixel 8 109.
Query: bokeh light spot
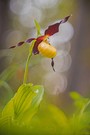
pixel 55 83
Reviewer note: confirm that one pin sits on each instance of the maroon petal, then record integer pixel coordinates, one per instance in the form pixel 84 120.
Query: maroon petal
pixel 35 48
pixel 52 29
pixel 52 64
pixel 65 19
pixel 12 47
pixel 29 40
pixel 38 41
pixel 20 43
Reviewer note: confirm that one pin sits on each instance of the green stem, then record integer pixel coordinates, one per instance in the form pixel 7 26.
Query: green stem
pixel 27 62
pixel 26 68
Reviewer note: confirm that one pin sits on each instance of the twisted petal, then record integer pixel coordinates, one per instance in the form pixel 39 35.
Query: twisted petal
pixel 19 44
pixel 38 41
pixel 29 40
pixel 52 64
pixel 22 42
pixel 52 29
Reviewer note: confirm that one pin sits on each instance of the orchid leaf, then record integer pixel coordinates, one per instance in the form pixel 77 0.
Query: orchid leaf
pixel 24 104
pixel 58 115
pixel 8 111
pixel 37 28
pixel 79 101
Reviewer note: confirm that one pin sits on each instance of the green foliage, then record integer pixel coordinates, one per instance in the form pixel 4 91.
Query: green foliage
pixel 22 114
pixel 52 120
pixel 8 73
pixel 5 76
pixel 80 102
pixel 49 120
pixel 81 119
pixel 7 87
pixel 23 106
pixel 37 28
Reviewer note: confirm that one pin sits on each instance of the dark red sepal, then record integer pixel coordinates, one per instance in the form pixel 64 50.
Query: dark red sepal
pixel 20 43
pixel 65 19
pixel 29 40
pixel 52 64
pixel 38 41
pixel 35 48
pixel 12 47
pixel 52 29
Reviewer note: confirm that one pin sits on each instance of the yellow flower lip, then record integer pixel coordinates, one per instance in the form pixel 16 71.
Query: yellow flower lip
pixel 47 49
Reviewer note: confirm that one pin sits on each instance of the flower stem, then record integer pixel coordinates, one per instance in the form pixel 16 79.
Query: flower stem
pixel 28 62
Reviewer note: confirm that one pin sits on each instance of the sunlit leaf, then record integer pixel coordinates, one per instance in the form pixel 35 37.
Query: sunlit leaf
pixel 25 103
pixel 5 123
pixel 8 111
pixel 80 121
pixel 58 115
pixel 80 102
pixel 31 103
pixel 49 120
pixel 74 95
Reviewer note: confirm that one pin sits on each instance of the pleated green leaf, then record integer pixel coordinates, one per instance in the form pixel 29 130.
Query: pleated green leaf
pixel 24 104
pixel 8 111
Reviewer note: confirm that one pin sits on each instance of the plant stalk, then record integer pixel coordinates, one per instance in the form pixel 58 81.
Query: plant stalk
pixel 28 62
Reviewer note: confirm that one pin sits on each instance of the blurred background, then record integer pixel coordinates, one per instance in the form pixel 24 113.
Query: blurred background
pixel 72 62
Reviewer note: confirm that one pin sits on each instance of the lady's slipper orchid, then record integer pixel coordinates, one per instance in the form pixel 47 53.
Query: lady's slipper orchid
pixel 42 41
